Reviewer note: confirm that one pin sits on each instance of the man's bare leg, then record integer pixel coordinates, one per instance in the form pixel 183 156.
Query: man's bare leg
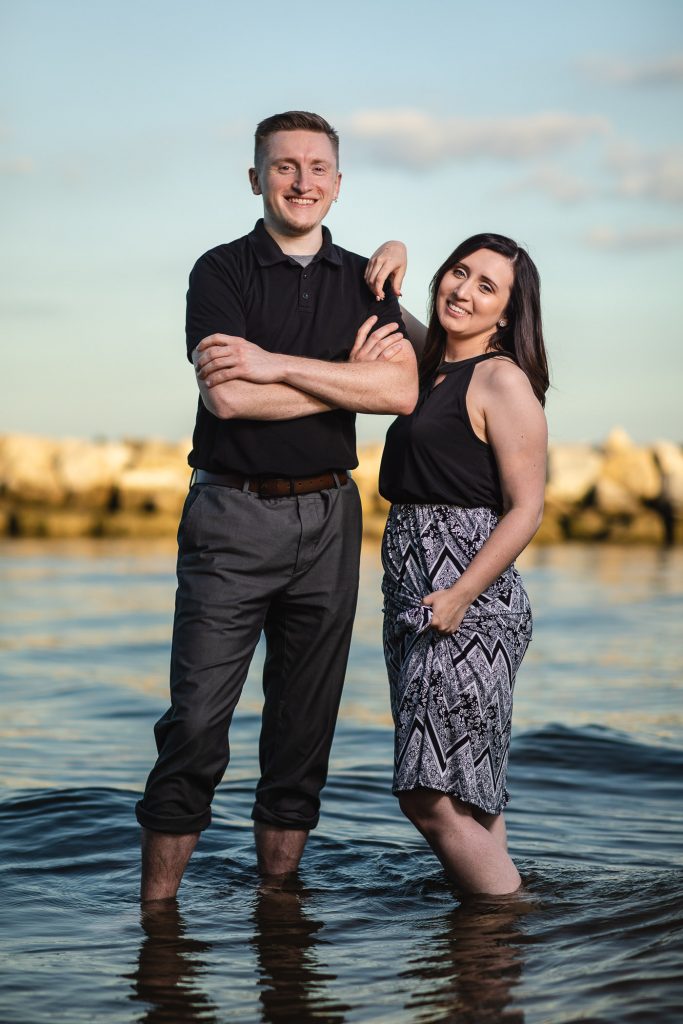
pixel 278 850
pixel 164 859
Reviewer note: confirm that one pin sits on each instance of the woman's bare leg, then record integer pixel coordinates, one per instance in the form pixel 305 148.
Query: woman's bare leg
pixel 494 825
pixel 472 855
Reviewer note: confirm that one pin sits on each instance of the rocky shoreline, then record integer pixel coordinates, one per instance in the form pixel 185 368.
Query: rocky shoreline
pixel 616 492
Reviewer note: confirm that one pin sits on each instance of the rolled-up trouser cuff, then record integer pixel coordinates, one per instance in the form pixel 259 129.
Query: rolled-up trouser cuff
pixel 174 826
pixel 299 823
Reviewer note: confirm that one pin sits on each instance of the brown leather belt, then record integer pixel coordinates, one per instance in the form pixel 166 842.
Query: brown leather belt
pixel 272 487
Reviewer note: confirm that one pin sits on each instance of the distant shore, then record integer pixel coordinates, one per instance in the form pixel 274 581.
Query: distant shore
pixel 616 492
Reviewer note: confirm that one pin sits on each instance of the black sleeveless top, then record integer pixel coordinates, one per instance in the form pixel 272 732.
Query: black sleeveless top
pixel 433 456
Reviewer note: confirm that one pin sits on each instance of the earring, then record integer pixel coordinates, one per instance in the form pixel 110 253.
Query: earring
pixel 502 323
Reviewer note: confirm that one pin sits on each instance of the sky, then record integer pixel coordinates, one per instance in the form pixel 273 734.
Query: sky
pixel 126 132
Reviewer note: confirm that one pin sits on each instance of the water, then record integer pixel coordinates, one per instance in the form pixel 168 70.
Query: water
pixel 371 932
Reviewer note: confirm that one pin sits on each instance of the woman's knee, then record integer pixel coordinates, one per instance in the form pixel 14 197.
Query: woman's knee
pixel 421 806
pixel 408 803
pixel 431 811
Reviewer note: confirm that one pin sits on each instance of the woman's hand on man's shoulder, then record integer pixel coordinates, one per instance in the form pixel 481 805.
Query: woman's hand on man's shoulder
pixel 387 264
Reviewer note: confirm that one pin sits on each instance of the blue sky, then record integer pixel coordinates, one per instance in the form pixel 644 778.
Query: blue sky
pixel 126 132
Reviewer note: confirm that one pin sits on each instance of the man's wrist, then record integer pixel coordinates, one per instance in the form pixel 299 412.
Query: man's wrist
pixel 289 370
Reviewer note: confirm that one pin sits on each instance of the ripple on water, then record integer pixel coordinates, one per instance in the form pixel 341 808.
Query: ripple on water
pixel 371 932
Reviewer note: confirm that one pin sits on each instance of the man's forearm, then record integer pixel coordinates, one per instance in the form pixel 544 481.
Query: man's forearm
pixel 382 386
pixel 379 384
pixel 240 399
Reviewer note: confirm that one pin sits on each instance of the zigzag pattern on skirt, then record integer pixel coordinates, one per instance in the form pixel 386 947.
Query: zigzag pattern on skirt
pixel 451 697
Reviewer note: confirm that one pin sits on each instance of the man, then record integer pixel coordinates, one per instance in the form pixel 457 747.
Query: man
pixel 270 533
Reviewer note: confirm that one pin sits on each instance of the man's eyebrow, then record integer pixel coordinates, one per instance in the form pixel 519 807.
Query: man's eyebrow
pixel 294 160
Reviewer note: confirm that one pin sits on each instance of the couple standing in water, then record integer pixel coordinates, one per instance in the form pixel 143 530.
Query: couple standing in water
pixel 269 539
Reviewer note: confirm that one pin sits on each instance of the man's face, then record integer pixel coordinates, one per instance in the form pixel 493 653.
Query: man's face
pixel 298 179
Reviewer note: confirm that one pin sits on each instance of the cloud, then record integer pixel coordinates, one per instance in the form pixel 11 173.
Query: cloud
pixel 416 139
pixel 644 237
pixel 666 70
pixel 554 182
pixel 16 167
pixel 632 173
pixel 647 174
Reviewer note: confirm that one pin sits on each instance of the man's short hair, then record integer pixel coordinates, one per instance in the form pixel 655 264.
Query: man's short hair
pixel 292 121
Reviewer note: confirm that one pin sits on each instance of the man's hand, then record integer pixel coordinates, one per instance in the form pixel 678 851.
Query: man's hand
pixel 368 384
pixel 389 262
pixel 384 343
pixel 222 357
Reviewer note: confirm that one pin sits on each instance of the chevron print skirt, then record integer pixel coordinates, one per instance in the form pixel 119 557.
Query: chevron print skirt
pixel 451 697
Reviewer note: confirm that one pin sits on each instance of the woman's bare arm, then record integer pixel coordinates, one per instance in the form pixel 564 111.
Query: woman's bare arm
pixel 516 430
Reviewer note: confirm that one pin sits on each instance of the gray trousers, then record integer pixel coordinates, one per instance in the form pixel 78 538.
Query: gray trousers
pixel 287 566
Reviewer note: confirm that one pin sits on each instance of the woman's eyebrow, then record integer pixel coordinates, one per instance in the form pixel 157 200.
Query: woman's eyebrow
pixel 482 276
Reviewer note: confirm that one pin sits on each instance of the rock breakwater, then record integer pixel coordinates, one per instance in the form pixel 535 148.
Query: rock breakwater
pixel 615 492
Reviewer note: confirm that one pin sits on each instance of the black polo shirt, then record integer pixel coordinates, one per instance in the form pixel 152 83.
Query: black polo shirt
pixel 251 289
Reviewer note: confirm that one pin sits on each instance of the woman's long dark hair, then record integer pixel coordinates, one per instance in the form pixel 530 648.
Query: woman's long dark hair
pixel 522 338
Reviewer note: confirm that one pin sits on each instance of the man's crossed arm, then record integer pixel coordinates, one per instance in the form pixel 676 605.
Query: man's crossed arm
pixel 238 379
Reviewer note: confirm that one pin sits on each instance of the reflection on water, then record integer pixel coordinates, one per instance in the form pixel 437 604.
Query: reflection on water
pixel 170 968
pixel 285 939
pixel 469 968
pixel 463 969
pixel 171 965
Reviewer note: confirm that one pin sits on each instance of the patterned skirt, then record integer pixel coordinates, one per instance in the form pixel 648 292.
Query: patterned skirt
pixel 451 697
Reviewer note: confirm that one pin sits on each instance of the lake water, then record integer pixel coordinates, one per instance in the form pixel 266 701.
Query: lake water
pixel 371 932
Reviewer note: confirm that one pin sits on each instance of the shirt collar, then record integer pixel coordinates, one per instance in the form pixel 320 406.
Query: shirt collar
pixel 268 252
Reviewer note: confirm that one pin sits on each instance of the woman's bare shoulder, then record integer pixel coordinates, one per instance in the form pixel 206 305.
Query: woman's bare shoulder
pixel 502 374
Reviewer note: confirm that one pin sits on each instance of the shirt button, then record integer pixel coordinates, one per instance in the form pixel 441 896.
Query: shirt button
pixel 305 295
pixel 305 275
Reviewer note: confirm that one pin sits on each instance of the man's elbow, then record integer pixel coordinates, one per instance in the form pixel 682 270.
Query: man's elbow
pixel 409 402
pixel 404 400
pixel 404 394
pixel 218 404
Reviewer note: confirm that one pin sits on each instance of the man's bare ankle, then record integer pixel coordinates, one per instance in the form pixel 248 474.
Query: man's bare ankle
pixel 278 850
pixel 164 859
pixel 152 899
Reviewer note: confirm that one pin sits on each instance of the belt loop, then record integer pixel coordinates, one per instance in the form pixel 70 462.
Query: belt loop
pixel 336 480
pixel 193 477
pixel 245 485
pixel 292 491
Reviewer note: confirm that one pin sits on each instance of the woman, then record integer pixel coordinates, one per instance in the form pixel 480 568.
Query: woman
pixel 465 474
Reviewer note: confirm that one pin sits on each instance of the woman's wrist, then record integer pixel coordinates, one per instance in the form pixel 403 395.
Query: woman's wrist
pixel 461 593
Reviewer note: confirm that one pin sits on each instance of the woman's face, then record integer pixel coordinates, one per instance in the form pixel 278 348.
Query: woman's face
pixel 474 294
